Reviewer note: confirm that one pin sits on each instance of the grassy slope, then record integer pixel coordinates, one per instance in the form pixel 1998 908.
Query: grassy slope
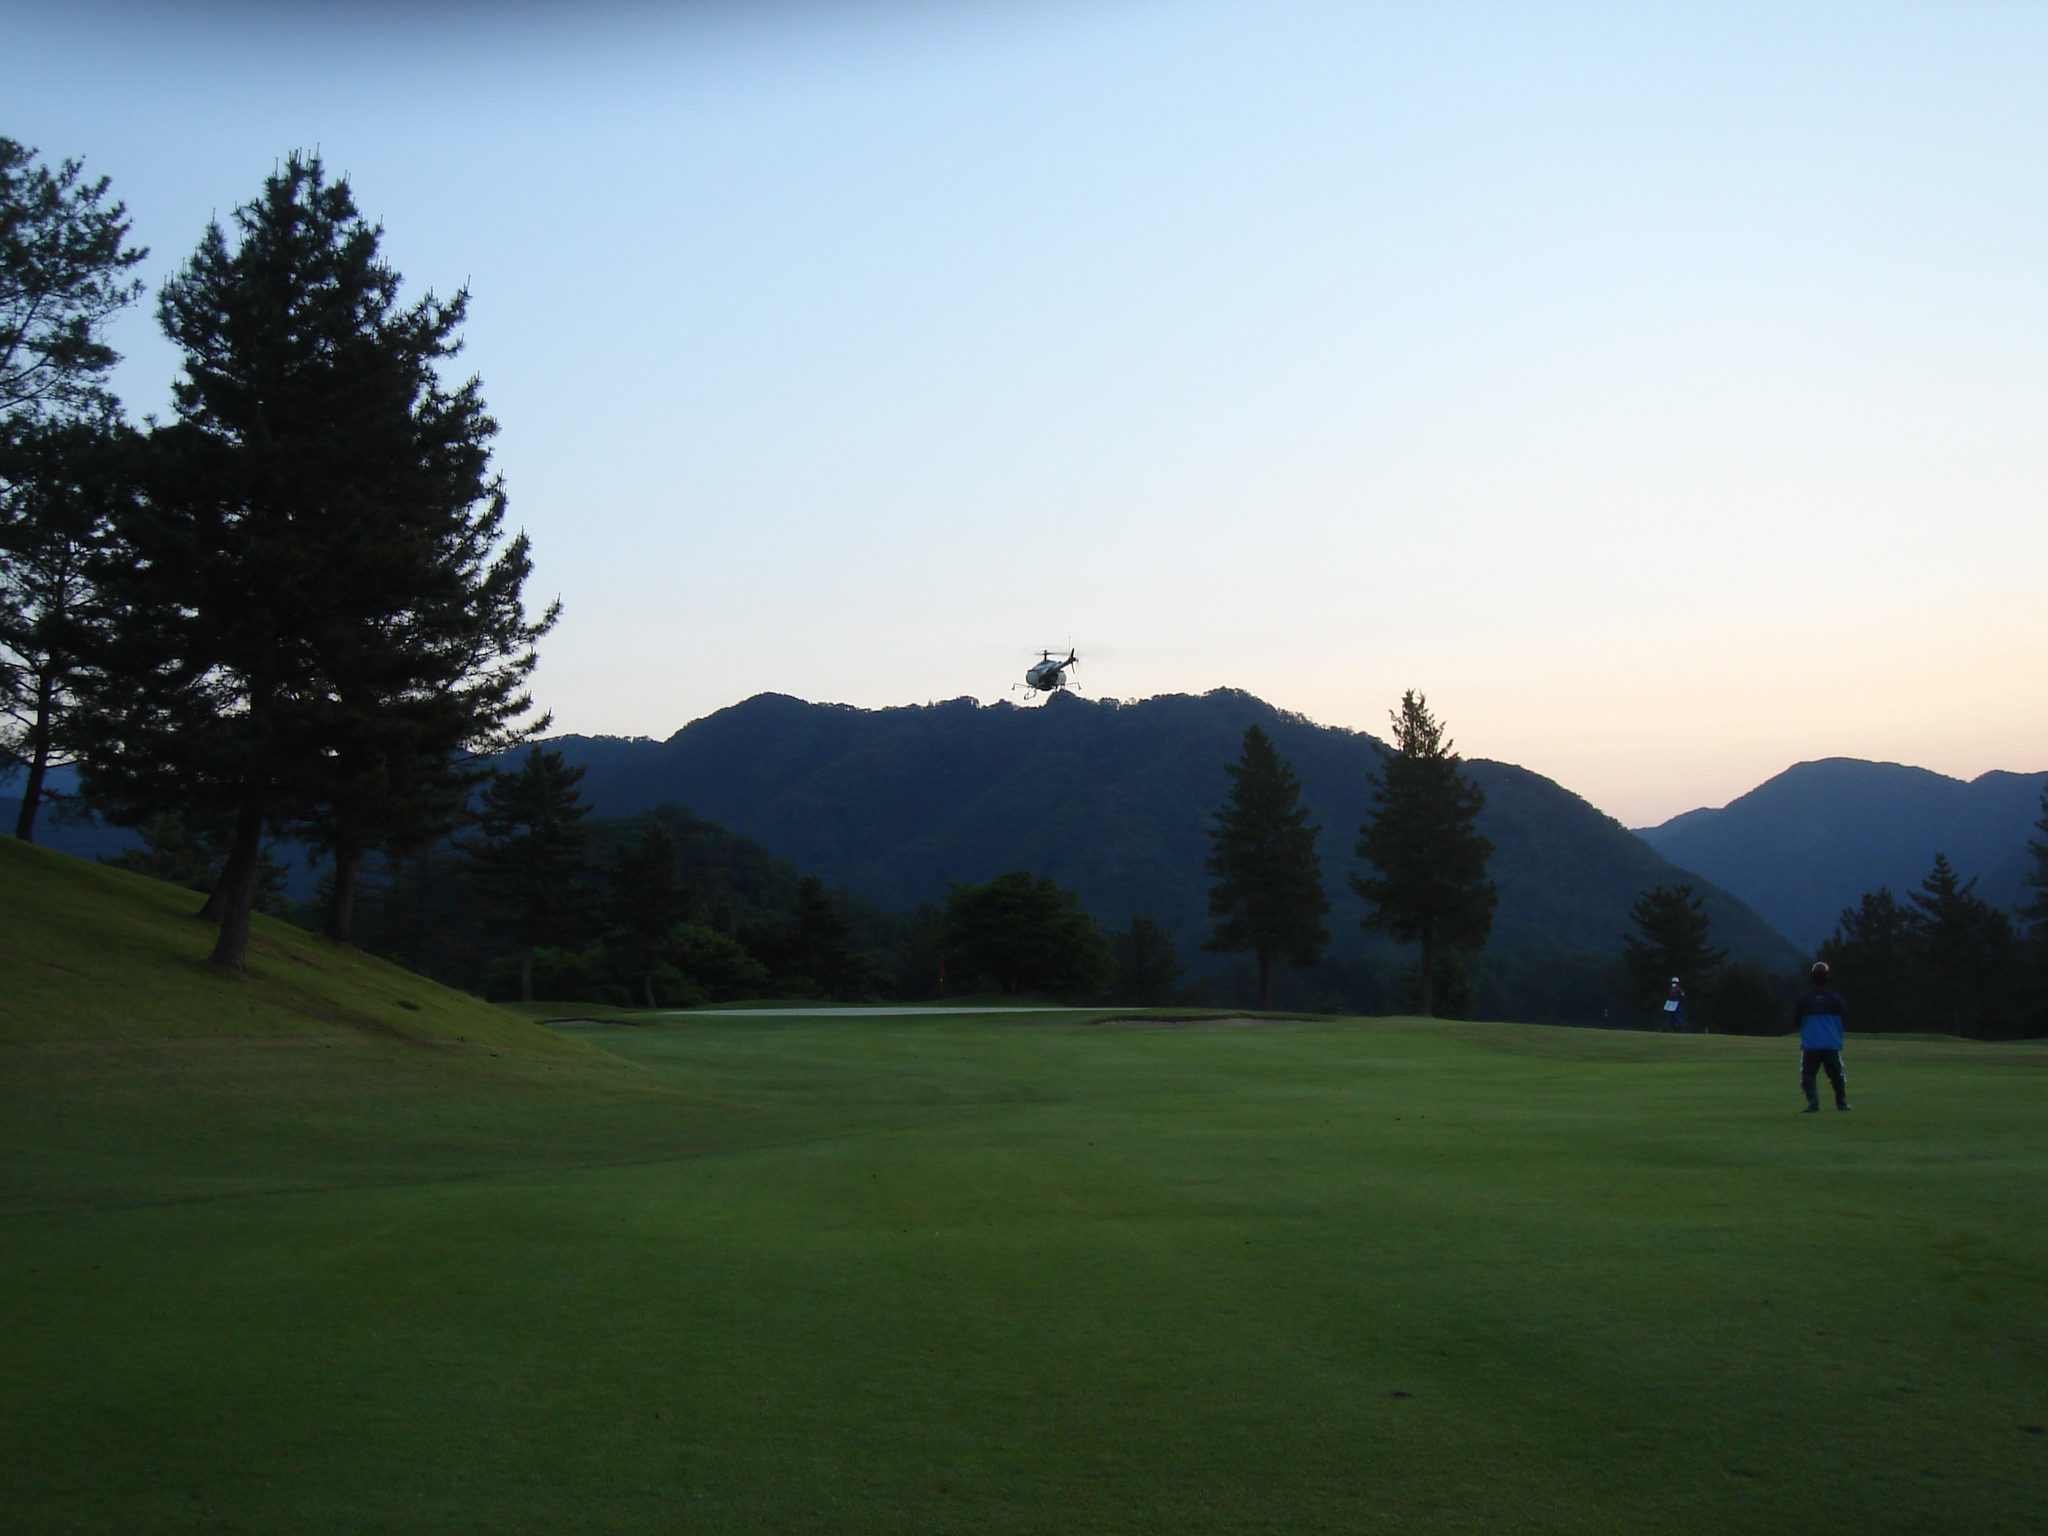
pixel 131 1071
pixel 92 953
pixel 983 1276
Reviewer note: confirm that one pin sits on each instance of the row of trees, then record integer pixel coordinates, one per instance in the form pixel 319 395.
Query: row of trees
pixel 637 928
pixel 634 925
pixel 1019 932
pixel 1425 878
pixel 291 606
pixel 1945 960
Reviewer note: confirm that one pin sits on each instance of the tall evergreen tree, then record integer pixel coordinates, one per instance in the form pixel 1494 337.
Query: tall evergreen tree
pixel 529 851
pixel 1673 937
pixel 1269 880
pixel 1964 956
pixel 649 898
pixel 64 274
pixel 60 483
pixel 1429 885
pixel 1870 955
pixel 319 607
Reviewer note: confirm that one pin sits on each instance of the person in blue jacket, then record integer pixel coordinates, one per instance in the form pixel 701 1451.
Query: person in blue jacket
pixel 1818 1016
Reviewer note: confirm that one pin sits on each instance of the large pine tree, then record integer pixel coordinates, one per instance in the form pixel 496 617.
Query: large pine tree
pixel 1673 937
pixel 319 606
pixel 64 275
pixel 1269 879
pixel 1870 955
pixel 1964 955
pixel 1428 885
pixel 60 483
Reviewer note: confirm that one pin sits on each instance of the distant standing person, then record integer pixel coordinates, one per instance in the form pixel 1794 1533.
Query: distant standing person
pixel 1674 1007
pixel 1819 1015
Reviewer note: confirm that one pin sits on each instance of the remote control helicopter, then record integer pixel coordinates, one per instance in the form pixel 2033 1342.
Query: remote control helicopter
pixel 1048 676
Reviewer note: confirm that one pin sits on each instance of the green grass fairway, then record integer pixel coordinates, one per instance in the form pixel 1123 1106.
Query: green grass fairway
pixel 266 1271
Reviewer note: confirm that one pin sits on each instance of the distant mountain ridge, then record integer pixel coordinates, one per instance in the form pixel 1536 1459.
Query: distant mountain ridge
pixel 1805 844
pixel 1112 800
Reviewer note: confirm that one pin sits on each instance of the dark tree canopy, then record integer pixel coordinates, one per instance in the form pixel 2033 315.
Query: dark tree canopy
pixel 1965 956
pixel 648 898
pixel 1147 966
pixel 1673 937
pixel 1268 892
pixel 1743 1000
pixel 529 851
pixel 1025 934
pixel 1945 959
pixel 716 964
pixel 1428 884
pixel 319 607
pixel 1870 956
pixel 64 268
pixel 813 949
pixel 60 483
pixel 64 265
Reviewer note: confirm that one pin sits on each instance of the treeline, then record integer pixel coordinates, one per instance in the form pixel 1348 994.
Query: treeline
pixel 535 899
pixel 293 606
pixel 1945 960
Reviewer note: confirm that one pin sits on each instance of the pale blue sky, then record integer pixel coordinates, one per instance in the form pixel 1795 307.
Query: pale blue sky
pixel 1661 388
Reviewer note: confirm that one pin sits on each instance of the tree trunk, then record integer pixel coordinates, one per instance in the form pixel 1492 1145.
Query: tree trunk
pixel 209 909
pixel 1428 976
pixel 526 973
pixel 341 901
pixel 236 892
pixel 39 761
pixel 1265 980
pixel 647 988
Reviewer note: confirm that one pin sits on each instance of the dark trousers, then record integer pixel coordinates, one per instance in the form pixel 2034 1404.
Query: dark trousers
pixel 1829 1062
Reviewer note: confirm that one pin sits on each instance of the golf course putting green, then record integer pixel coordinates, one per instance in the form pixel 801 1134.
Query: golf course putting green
pixel 969 1275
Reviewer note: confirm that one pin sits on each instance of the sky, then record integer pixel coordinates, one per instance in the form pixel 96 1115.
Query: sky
pixel 1662 389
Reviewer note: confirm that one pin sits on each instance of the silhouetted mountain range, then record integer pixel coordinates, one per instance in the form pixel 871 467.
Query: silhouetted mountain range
pixel 1112 800
pixel 1802 846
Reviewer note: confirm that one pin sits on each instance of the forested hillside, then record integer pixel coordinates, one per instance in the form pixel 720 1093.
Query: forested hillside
pixel 1112 800
pixel 1803 845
